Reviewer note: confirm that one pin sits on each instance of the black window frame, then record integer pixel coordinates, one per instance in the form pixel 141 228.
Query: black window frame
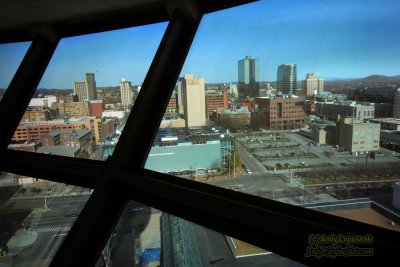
pixel 275 226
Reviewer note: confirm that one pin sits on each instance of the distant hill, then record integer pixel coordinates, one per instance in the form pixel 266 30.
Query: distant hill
pixel 381 78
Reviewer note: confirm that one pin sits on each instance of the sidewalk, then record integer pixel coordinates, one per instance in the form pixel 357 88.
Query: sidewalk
pixel 19 241
pixel 22 238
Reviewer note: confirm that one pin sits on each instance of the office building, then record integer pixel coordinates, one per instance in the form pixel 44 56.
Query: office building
pixel 74 109
pixel 194 102
pixel 280 113
pixel 313 85
pixel 356 136
pixel 248 77
pixel 91 86
pixel 126 94
pixel 287 79
pixel 96 107
pixel 396 104
pixel 216 102
pixel 345 109
pixel 86 90
pixel 33 131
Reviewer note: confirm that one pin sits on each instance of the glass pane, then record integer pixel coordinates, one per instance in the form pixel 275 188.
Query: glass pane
pixel 145 236
pixel 87 92
pixel 35 217
pixel 11 56
pixel 292 102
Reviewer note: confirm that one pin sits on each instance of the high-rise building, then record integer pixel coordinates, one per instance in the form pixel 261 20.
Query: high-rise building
pixel 287 79
pixel 396 104
pixel 91 86
pixel 194 102
pixel 313 84
pixel 126 95
pixel 86 90
pixel 248 77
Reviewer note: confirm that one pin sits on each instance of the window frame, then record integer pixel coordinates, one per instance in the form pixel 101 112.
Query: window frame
pixel 275 226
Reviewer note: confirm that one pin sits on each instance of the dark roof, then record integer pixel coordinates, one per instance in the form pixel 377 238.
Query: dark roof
pixel 58 150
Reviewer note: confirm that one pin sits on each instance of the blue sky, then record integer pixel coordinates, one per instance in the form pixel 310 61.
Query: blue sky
pixel 336 38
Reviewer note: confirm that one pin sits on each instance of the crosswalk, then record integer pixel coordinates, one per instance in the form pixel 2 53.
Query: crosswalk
pixel 52 229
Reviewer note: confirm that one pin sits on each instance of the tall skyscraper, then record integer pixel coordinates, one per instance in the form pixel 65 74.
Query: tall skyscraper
pixel 313 84
pixel 194 102
pixel 91 86
pixel 396 104
pixel 126 95
pixel 86 90
pixel 248 77
pixel 287 79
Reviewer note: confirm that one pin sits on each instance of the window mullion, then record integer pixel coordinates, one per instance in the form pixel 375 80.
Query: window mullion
pixel 89 234
pixel 145 117
pixel 23 85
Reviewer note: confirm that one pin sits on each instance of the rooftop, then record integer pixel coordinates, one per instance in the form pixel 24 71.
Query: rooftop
pixel 387 120
pixel 58 150
pixel 206 133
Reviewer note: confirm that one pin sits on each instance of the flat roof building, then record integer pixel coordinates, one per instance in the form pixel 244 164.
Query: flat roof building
pixel 216 102
pixel 313 84
pixel 356 136
pixel 388 123
pixel 345 109
pixel 248 77
pixel 287 79
pixel 194 102
pixel 280 112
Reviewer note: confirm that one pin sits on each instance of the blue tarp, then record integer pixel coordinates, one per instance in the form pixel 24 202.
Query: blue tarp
pixel 150 254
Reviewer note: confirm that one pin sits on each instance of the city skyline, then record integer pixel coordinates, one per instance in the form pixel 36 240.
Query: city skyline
pixel 321 37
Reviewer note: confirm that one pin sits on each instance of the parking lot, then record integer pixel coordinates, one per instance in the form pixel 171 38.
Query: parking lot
pixel 288 151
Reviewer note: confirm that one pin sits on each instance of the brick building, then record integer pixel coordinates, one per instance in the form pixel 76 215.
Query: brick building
pixel 33 131
pixel 172 106
pixel 280 113
pixel 72 138
pixel 215 102
pixel 97 107
pixel 102 128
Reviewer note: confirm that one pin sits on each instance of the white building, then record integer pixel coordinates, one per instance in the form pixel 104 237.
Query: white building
pixel 45 101
pixel 126 94
pixel 313 85
pixel 113 113
pixel 194 101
